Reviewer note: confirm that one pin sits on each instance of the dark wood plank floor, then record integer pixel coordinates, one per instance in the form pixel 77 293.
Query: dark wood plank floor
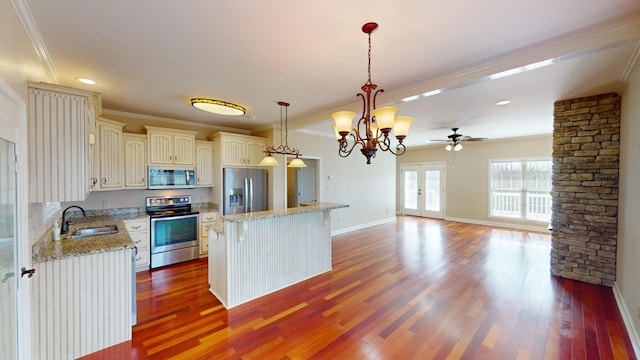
pixel 414 289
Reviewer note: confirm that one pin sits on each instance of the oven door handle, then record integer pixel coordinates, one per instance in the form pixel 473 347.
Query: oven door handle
pixel 156 219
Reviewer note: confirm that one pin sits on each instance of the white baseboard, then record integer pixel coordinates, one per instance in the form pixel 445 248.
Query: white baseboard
pixel 498 224
pixel 628 320
pixel 362 226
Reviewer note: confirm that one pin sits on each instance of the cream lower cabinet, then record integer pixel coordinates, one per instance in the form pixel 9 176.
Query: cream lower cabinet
pixel 171 146
pixel 204 163
pixel 135 161
pixel 206 219
pixel 81 304
pixel 139 232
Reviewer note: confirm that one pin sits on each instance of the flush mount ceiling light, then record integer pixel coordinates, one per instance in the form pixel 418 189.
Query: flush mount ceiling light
pixel 374 126
pixel 283 149
pixel 87 81
pixel 217 106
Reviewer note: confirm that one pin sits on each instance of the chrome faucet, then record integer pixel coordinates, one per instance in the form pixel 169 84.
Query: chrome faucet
pixel 64 227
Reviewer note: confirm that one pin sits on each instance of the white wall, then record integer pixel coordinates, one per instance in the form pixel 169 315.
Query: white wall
pixel 467 174
pixel 628 266
pixel 369 190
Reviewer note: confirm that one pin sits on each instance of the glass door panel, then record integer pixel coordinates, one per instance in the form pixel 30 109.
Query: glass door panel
pixel 410 190
pixel 8 268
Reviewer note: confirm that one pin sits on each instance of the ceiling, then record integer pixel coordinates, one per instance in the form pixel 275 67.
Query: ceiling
pixel 150 57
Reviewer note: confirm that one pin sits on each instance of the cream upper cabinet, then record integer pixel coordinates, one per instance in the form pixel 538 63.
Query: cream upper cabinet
pixel 240 150
pixel 204 163
pixel 60 121
pixel 110 154
pixel 135 161
pixel 171 146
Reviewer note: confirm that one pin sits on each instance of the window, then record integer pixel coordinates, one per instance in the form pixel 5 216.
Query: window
pixel 520 189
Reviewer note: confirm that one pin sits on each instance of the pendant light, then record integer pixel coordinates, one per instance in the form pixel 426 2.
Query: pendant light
pixel 283 149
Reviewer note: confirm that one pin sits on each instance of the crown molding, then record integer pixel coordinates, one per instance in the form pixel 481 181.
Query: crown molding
pixel 124 115
pixel 31 28
pixel 629 70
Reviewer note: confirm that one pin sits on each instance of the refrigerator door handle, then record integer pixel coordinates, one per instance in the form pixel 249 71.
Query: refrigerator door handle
pixel 251 194
pixel 246 194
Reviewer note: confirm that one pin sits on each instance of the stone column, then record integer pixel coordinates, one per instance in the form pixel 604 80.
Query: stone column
pixel 586 148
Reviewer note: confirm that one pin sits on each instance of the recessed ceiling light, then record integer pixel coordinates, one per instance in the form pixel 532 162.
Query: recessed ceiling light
pixel 411 98
pixel 518 70
pixel 503 102
pixel 86 81
pixel 432 92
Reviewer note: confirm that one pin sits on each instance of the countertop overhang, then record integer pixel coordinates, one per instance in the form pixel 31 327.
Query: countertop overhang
pixel 306 207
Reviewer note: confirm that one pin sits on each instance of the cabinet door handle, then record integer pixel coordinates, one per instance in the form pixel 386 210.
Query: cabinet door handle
pixel 136 227
pixel 209 218
pixel 137 242
pixel 104 181
pixel 138 258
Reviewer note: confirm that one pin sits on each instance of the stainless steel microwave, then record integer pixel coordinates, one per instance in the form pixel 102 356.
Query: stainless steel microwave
pixel 171 178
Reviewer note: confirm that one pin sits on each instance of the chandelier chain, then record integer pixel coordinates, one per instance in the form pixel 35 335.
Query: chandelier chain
pixel 369 55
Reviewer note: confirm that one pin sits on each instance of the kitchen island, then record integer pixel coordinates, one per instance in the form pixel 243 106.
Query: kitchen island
pixel 254 254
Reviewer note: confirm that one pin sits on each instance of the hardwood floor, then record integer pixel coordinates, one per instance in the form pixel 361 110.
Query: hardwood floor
pixel 414 289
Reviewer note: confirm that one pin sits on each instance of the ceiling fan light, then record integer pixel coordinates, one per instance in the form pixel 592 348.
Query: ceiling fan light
pixel 297 163
pixel 217 106
pixel 269 161
pixel 385 116
pixel 448 147
pixel 458 147
pixel 401 126
pixel 343 120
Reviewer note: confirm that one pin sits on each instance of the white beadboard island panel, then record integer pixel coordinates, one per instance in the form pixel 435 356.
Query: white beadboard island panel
pixel 251 255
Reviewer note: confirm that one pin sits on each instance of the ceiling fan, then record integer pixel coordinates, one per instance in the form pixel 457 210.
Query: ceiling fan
pixel 455 140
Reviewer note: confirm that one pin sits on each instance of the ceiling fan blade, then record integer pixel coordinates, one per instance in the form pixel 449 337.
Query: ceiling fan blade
pixel 477 139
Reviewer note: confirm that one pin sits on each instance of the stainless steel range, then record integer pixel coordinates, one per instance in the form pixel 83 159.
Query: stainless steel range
pixel 174 230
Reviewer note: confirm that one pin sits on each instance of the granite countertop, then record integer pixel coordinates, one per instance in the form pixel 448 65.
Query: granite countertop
pixel 307 207
pixel 46 249
pixel 205 207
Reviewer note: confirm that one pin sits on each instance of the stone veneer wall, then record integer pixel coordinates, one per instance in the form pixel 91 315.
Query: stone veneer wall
pixel 586 147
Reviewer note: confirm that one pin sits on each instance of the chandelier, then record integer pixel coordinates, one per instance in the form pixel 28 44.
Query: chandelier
pixel 282 149
pixel 375 124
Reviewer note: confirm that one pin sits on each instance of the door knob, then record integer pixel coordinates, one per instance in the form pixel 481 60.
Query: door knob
pixel 29 272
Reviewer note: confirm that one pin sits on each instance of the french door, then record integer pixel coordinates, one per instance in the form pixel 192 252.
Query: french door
pixel 423 189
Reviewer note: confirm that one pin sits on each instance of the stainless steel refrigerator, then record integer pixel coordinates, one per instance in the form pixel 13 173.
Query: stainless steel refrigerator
pixel 244 190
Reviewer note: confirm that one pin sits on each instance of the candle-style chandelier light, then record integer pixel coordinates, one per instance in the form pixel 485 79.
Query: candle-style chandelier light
pixel 375 124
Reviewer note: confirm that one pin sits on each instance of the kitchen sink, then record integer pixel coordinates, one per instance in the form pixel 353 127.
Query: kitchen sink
pixel 93 231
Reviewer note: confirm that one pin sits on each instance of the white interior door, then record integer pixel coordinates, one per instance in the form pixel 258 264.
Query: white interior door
pixel 302 183
pixel 15 249
pixel 8 251
pixel 423 190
